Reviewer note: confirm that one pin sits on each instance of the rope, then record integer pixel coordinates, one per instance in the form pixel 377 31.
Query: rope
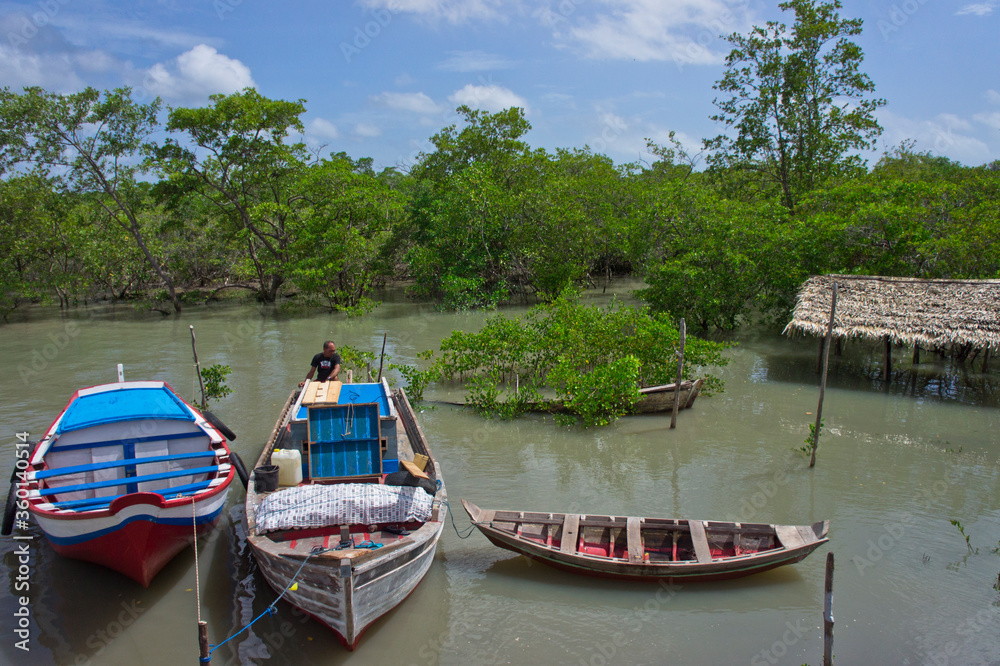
pixel 270 610
pixel 451 514
pixel 197 580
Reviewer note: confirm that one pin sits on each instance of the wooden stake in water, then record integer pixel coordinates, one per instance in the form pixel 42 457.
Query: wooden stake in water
pixel 197 369
pixel 680 368
pixel 828 614
pixel 382 358
pixel 822 386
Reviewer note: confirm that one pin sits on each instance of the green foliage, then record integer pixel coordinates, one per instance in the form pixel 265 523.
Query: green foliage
pixel 786 93
pixel 593 359
pixel 214 378
pixel 958 525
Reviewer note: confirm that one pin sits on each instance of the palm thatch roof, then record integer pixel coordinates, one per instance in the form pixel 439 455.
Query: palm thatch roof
pixel 930 313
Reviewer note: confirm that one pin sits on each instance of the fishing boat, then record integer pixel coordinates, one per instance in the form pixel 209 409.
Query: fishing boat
pixel 125 475
pixel 353 523
pixel 631 548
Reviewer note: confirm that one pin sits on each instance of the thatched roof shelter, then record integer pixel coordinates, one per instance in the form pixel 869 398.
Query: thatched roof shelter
pixel 907 311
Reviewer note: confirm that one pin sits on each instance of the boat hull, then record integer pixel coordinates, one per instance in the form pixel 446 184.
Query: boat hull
pixel 631 565
pixel 347 598
pixel 137 540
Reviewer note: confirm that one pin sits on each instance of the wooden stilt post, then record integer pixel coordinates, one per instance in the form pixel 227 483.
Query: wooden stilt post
pixel 822 385
pixel 205 656
pixel 680 368
pixel 986 358
pixel 888 359
pixel 916 353
pixel 828 613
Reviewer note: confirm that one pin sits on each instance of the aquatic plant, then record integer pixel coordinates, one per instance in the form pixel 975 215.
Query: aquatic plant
pixel 214 377
pixel 593 359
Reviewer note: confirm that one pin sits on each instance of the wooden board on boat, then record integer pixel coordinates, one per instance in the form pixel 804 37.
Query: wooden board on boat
pixel 635 548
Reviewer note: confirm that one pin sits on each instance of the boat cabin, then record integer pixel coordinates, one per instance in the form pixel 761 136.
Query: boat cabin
pixel 344 432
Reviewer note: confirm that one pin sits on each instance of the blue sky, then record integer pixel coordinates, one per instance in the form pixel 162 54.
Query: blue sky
pixel 381 76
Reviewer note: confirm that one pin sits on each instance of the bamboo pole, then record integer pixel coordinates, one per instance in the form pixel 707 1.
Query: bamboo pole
pixel 382 358
pixel 197 368
pixel 826 366
pixel 680 368
pixel 828 613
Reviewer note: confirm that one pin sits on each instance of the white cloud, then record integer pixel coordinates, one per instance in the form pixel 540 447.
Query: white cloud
pixel 993 97
pixel 474 61
pixel 453 11
pixel 945 134
pixel 416 102
pixel 321 128
pixel 682 31
pixel 491 98
pixel 196 74
pixel 977 9
pixel 51 71
pixel 991 120
pixel 367 130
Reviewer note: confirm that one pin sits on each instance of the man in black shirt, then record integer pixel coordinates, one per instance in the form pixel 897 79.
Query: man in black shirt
pixel 327 363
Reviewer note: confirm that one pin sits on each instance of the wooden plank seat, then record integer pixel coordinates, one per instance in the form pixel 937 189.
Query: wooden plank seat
pixel 126 462
pixel 110 483
pixel 634 537
pixel 700 540
pixel 571 527
pixel 104 502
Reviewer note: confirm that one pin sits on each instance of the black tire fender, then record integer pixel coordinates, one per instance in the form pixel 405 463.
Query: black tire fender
pixel 219 425
pixel 241 469
pixel 9 509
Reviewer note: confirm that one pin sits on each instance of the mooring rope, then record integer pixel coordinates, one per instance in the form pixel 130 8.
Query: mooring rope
pixel 197 580
pixel 270 610
pixel 472 527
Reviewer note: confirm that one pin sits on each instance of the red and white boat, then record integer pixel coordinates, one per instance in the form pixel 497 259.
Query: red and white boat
pixel 115 477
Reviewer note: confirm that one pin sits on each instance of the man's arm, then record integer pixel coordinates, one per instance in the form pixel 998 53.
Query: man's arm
pixel 309 376
pixel 335 373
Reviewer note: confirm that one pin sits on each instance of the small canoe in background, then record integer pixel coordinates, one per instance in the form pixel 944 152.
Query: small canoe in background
pixel 631 548
pixel 114 479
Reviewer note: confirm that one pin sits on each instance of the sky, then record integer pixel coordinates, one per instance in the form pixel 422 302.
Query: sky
pixel 380 77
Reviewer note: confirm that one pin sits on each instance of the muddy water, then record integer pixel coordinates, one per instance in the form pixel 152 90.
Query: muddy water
pixel 897 462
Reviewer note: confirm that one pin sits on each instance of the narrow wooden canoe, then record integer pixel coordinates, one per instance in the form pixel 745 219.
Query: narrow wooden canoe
pixel 652 400
pixel 114 479
pixel 648 548
pixel 348 574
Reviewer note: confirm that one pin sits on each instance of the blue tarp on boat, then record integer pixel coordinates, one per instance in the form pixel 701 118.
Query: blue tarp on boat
pixel 126 404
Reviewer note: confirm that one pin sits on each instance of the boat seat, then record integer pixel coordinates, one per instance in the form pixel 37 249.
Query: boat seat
pixel 110 483
pixel 634 534
pixel 104 502
pixel 790 536
pixel 126 462
pixel 570 530
pixel 122 442
pixel 700 540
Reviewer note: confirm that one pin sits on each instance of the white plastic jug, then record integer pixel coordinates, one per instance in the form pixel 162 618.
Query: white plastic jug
pixel 289 462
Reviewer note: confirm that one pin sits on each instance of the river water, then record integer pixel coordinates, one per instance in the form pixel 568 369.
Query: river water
pixel 896 464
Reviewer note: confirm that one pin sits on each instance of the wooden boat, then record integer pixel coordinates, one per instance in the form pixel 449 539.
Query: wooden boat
pixel 346 567
pixel 115 477
pixel 652 400
pixel 648 548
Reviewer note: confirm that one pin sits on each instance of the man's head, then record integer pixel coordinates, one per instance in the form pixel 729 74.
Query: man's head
pixel 329 348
